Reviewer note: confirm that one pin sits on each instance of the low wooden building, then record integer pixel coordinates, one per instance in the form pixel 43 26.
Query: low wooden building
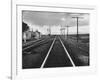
pixel 28 35
pixel 37 34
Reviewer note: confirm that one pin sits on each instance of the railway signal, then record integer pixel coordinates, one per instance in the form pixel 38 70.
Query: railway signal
pixel 77 18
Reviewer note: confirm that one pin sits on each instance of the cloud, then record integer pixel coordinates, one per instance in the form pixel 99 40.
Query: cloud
pixel 54 18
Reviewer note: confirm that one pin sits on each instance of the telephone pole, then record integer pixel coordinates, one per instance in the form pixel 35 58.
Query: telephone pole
pixel 67 30
pixel 77 18
pixel 63 31
pixel 49 31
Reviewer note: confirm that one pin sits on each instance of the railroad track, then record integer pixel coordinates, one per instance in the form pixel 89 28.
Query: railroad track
pixel 54 55
pixel 57 55
pixel 35 43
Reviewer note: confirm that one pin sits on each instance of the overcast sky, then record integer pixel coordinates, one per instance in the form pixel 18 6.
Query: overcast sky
pixel 37 20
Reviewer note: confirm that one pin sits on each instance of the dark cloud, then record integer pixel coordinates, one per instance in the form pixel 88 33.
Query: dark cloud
pixel 53 18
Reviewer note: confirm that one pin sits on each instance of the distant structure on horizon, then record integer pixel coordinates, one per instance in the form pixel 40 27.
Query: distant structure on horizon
pixel 28 35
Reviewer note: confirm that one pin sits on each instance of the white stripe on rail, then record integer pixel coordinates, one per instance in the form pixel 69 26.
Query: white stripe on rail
pixel 67 53
pixel 48 53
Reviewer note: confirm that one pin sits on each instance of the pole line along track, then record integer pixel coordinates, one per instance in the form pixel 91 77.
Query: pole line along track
pixel 72 62
pixel 48 53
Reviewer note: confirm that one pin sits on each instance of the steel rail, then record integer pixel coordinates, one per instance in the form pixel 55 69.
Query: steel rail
pixel 48 53
pixel 72 62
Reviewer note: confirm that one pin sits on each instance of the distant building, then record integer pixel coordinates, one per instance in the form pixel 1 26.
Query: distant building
pixel 24 37
pixel 37 34
pixel 27 35
pixel 62 31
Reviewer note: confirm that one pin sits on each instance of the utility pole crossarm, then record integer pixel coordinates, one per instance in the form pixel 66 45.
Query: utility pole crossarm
pixel 78 17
